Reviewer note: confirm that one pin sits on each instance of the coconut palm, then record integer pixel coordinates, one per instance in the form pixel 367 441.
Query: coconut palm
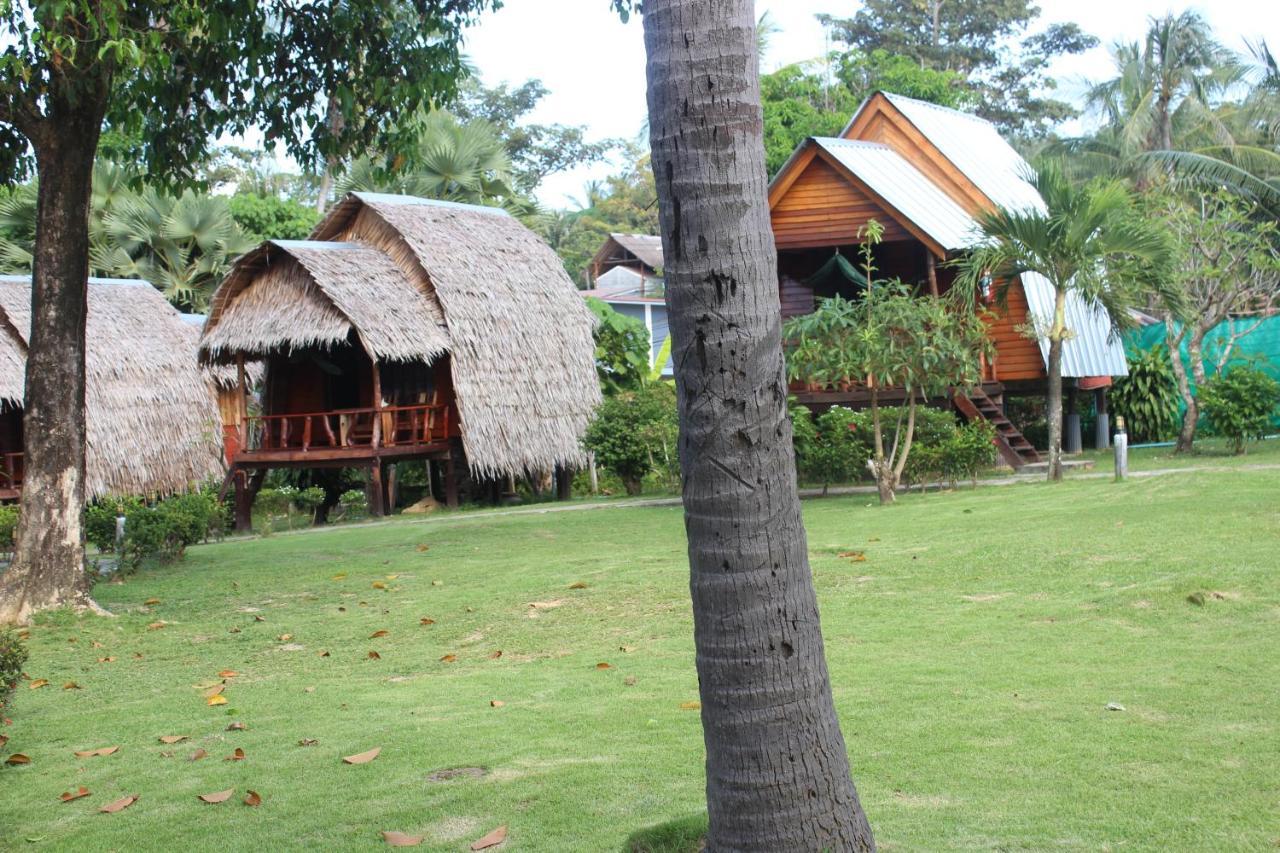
pixel 1090 244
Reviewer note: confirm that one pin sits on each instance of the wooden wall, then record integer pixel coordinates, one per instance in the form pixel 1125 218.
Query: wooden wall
pixel 822 208
pixel 1017 356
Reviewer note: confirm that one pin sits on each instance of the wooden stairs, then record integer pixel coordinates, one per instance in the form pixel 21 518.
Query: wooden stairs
pixel 1014 448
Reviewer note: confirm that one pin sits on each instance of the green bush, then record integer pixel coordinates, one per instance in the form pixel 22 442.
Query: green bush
pixel 352 505
pixel 164 531
pixel 634 434
pixel 952 456
pixel 8 526
pixel 827 449
pixel 13 656
pixel 100 521
pixel 1240 404
pixel 1147 398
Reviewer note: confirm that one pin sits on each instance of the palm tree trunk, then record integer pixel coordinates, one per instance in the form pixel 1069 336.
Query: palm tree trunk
pixel 1056 335
pixel 777 767
pixel 48 567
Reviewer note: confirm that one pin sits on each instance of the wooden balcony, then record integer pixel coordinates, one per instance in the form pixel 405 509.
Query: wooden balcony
pixel 340 436
pixel 11 470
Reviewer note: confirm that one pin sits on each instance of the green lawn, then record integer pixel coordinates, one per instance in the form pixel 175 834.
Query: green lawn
pixel 973 654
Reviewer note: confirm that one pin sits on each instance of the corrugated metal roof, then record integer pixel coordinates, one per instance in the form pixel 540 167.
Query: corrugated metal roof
pixel 1094 349
pixel 976 148
pixel 906 189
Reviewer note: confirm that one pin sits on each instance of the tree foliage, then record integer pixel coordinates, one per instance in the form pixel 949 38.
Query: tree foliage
pixel 1147 398
pixel 270 217
pixel 622 349
pixel 634 434
pixel 1241 404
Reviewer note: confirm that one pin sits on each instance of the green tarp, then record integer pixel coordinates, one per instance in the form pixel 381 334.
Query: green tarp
pixel 1262 344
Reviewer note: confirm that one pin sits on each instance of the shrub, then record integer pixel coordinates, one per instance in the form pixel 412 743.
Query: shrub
pixel 827 450
pixel 164 531
pixel 634 433
pixel 8 525
pixel 352 504
pixel 954 455
pixel 13 656
pixel 309 500
pixel 1147 398
pixel 1240 404
pixel 100 521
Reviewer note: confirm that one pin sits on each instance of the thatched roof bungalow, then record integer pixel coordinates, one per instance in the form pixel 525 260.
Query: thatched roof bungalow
pixel 151 420
pixel 428 322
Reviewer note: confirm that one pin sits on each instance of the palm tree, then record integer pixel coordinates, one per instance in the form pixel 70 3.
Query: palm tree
pixel 777 767
pixel 1089 243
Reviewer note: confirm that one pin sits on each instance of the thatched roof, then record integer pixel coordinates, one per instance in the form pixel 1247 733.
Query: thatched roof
pixel 152 422
pixel 225 377
pixel 290 295
pixel 520 335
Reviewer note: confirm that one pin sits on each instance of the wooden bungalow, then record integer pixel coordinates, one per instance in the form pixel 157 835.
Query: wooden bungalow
pixel 923 172
pixel 150 416
pixel 639 256
pixel 406 329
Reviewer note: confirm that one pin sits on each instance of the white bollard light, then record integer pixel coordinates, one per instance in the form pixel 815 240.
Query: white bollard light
pixel 1121 449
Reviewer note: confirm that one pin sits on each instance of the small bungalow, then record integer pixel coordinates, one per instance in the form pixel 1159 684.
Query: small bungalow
pixel 626 274
pixel 150 416
pixel 923 171
pixel 406 329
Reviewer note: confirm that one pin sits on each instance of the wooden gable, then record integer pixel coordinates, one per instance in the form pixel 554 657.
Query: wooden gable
pixel 1017 356
pixel 817 204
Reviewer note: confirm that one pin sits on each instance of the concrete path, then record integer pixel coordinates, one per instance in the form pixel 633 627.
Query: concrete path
pixel 545 509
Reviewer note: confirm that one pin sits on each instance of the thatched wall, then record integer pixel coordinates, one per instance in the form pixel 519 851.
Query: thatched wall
pixel 151 420
pixel 522 350
pixel 294 295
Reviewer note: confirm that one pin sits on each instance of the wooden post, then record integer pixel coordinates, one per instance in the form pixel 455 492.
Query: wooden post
pixel 932 270
pixel 391 488
pixel 564 482
pixel 242 403
pixel 244 506
pixel 377 405
pixel 377 494
pixel 450 482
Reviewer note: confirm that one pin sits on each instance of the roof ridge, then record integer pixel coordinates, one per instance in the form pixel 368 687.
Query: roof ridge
pixel 931 105
pixel 396 198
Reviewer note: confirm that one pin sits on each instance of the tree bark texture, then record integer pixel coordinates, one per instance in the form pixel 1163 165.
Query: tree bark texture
pixel 1054 414
pixel 48 568
pixel 777 768
pixel 1191 414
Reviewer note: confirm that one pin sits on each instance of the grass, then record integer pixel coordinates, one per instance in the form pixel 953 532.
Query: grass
pixel 973 654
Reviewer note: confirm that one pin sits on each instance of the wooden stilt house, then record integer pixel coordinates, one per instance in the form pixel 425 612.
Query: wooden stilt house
pixel 406 329
pixel 923 172
pixel 151 421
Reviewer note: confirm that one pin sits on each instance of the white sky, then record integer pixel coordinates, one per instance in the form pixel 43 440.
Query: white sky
pixel 594 65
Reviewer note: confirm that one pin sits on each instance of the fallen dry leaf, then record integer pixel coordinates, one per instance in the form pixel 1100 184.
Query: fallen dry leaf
pixel 426 621
pixel 237 727
pixel 374 656
pixel 392 577
pixel 214 690
pixel 363 757
pixel 218 699
pixel 119 805
pixel 378 585
pixel 308 690
pixel 630 681
pixel 4 739
pixel 546 605
pixel 68 796
pixel 106 660
pixel 493 839
pixel 308 741
pixel 604 665
pixel 400 839
pixel 324 654
pixel 626 648
pixel 495 654
pixel 496 703
pixel 577 585
pixel 423 548
pixel 169 740
pixel 238 755
pixel 228 673
pixel 38 683
pixel 151 601
pixel 97 645
pixel 17 758
pixel 137 655
pixel 259 618
pixel 156 626
pixel 856 556
pixel 284 638
pixel 218 796
pixel 71 685
pixel 448 658
pixel 91 753
pixel 690 706
pixel 380 633
pixel 340 576
pixel 252 798
pixel 197 755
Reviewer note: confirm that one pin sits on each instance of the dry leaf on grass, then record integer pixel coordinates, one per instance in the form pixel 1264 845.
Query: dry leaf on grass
pixel 218 796
pixel 228 673
pixel 214 690
pixel 252 798
pixel 119 805
pixel 379 633
pixel 626 648
pixel 604 665
pixel 496 703
pixel 197 755
pixel 284 638
pixel 17 758
pixel 259 618
pixel 172 739
pixel 91 753
pixel 423 548
pixel 4 739
pixel 156 626
pixel 96 644
pixel 216 700
pixel 493 839
pixel 546 605
pixel 71 685
pixel 324 654
pixel 38 683
pixel 577 585
pixel 363 757
pixel 495 654
pixel 401 839
pixel 374 656
pixel 378 585
pixel 238 755
pixel 308 741
pixel 448 658
pixel 855 556
pixel 237 727
pixel 690 706
pixel 68 796
pixel 426 621
pixel 151 601
pixel 340 576
pixel 106 660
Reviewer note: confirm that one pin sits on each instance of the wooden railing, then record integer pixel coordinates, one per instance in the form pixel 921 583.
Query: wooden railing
pixel 387 426
pixel 11 471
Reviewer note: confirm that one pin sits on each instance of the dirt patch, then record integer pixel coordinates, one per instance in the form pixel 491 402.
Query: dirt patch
pixel 1141 604
pixel 450 773
pixel 928 801
pixel 454 828
pixel 991 596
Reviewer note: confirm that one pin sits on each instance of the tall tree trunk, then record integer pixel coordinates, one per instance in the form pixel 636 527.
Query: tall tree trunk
pixel 1056 335
pixel 1191 413
pixel 777 768
pixel 48 568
